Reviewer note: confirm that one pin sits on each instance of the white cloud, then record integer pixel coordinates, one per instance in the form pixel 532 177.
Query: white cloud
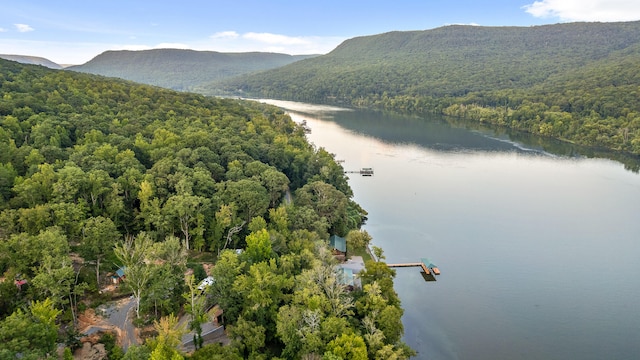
pixel 225 35
pixel 23 27
pixel 232 41
pixel 3 30
pixel 586 10
pixel 275 39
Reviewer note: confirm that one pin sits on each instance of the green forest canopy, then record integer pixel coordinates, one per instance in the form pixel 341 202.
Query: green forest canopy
pixel 126 174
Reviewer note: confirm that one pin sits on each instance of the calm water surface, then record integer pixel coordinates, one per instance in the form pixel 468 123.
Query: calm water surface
pixel 539 253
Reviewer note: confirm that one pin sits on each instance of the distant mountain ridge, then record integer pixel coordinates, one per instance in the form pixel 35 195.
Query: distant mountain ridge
pixel 574 81
pixel 180 69
pixel 446 61
pixel 32 60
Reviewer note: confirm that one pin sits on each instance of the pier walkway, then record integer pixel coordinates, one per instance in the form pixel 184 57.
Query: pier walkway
pixel 427 266
pixel 363 172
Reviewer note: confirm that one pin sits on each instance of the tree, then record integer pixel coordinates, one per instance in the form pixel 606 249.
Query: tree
pixel 276 184
pixel 348 347
pixel 288 324
pixel 69 217
pixel 258 247
pixel 9 298
pixel 165 345
pixel 99 236
pixel 196 309
pixel 306 218
pixel 380 273
pixel 35 219
pixel 55 278
pixel 172 252
pixel 234 171
pixel 132 254
pixel 30 335
pixel 163 291
pixel 166 262
pixel 7 177
pixel 250 197
pixel 137 352
pixel 257 223
pixel 216 352
pixel 225 273
pixel 327 201
pixel 358 239
pixel 247 336
pixel 321 288
pixel 99 185
pixel 27 252
pixel 390 322
pixel 279 220
pixel 36 189
pixel 184 209
pixel 263 289
pixel 390 352
pixel 150 206
pixel 225 216
pixel 72 184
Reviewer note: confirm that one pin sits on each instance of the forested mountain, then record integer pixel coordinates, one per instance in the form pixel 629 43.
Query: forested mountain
pixel 179 69
pixel 576 81
pixel 97 174
pixel 34 60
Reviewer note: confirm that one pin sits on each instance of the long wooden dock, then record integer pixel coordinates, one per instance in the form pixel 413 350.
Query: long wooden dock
pixel 426 265
pixel 363 172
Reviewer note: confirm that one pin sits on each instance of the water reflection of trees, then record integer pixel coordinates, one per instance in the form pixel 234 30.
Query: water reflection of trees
pixel 557 147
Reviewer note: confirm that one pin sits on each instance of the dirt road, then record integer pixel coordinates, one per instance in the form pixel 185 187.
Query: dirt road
pixel 115 316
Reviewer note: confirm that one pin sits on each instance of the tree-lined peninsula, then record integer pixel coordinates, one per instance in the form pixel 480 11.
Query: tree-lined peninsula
pixel 99 175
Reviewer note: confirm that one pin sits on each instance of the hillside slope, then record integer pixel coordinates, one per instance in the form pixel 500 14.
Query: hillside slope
pixel 490 74
pixel 181 69
pixel 148 180
pixel 33 60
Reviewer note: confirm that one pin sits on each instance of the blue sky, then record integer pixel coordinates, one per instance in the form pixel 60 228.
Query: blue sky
pixel 73 32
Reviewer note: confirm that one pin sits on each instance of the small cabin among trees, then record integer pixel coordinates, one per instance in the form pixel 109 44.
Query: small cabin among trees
pixel 119 276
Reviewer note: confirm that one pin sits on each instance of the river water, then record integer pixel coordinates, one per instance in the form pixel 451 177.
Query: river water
pixel 539 252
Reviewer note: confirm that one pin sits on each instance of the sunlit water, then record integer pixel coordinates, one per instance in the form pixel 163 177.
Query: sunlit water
pixel 539 253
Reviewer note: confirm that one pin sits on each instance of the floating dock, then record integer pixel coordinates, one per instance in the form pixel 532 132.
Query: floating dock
pixel 427 266
pixel 363 172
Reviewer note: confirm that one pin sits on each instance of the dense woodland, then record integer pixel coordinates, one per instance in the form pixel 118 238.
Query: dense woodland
pixel 114 173
pixel 179 69
pixel 577 82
